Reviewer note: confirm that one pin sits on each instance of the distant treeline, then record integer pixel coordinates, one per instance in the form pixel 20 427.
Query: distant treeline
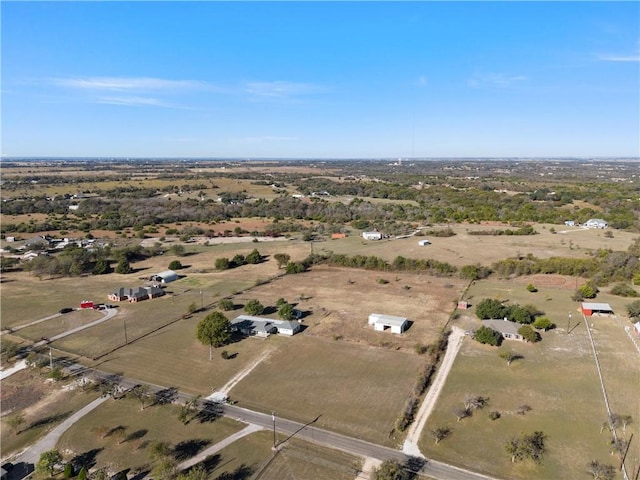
pixel 526 230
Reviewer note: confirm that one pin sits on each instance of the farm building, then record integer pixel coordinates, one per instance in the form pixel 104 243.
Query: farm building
pixel 596 223
pixel 263 327
pixel 372 235
pixel 589 309
pixel 335 236
pixel 508 330
pixel 423 243
pixel 164 277
pixel 381 322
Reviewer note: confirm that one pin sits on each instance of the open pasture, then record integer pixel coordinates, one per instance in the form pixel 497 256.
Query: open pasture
pixel 556 377
pixel 338 301
pixel 356 390
pixel 465 249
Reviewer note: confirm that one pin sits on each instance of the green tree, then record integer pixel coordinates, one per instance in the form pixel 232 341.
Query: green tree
pixel 226 304
pixel 488 336
pixel 490 308
pixel 123 266
pixel 102 267
pixel 254 257
pixel 282 259
pixel 624 290
pixel 529 334
pixel 214 330
pixel 175 265
pixel 15 422
pixel 286 311
pixel 297 267
pixel 68 471
pixel 390 470
pixel 238 260
pixel 141 393
pixel 440 434
pixel 165 469
pixel 588 290
pixel 196 473
pixel 543 323
pixel 48 461
pixel 527 446
pixel 82 474
pixel 254 307
pixel 222 263
pixel 510 357
pixel 633 309
pixel 177 250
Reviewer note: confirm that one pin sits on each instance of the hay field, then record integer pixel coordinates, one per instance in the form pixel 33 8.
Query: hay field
pixel 557 377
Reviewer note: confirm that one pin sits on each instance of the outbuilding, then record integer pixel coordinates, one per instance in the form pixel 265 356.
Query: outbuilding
pixel 382 322
pixel 589 309
pixel 165 277
pixel 596 223
pixel 424 243
pixel 375 235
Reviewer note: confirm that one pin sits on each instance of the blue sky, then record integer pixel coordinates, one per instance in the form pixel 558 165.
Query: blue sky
pixel 321 80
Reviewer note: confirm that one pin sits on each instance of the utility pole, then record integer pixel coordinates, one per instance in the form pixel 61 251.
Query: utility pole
pixel 50 359
pixel 273 418
pixel 201 301
pixel 568 323
pixel 126 341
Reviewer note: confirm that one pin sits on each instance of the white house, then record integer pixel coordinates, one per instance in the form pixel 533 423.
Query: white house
pixel 596 223
pixel 263 327
pixel 287 328
pixel 381 322
pixel 423 243
pixel 372 235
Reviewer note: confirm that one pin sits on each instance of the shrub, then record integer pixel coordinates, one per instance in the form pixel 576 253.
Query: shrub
pixel 224 354
pixel 531 288
pixel 226 304
pixel 543 323
pixel 222 263
pixel 253 307
pixel 529 334
pixel 588 290
pixel 175 265
pixel 382 281
pixel 624 290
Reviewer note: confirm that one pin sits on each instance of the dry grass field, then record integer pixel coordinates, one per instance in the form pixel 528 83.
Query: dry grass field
pixel 557 378
pixel 464 249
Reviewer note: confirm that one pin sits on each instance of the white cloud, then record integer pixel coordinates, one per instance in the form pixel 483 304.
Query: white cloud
pixel 619 58
pixel 133 101
pixel 130 83
pixel 500 80
pixel 281 89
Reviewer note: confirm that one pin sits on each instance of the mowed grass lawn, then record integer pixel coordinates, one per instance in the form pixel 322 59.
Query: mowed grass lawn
pixel 357 390
pixel 557 378
pixel 141 427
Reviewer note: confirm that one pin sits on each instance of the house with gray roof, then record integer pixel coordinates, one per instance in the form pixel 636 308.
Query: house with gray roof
pixel 263 327
pixel 508 329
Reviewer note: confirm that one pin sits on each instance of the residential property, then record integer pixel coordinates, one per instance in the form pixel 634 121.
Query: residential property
pixel 135 295
pixel 375 235
pixel 423 243
pixel 508 329
pixel 165 277
pixel 382 322
pixel 596 223
pixel 589 309
pixel 263 327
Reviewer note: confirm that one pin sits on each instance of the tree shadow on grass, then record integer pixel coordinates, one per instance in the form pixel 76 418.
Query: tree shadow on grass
pixel 189 448
pixel 86 459
pixel 141 475
pixel 166 396
pixel 211 462
pixel 48 420
pixel 209 411
pixel 136 435
pixel 243 472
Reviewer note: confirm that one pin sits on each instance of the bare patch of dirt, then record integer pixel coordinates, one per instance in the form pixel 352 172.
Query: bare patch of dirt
pixel 23 390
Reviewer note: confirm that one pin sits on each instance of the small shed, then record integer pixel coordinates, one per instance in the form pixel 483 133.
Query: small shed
pixel 424 243
pixel 372 235
pixel 165 277
pixel 381 322
pixel 589 309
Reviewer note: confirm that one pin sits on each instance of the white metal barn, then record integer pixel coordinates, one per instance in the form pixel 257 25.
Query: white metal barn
pixel 381 322
pixel 372 235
